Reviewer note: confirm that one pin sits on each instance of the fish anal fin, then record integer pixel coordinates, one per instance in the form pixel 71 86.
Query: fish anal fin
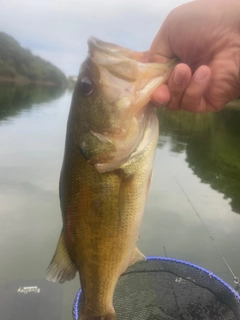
pixel 137 256
pixel 61 268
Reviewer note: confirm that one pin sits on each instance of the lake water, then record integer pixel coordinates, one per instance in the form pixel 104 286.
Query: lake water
pixel 196 174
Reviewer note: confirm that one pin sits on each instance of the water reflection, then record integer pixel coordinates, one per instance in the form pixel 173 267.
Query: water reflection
pixel 211 142
pixel 31 153
pixel 14 98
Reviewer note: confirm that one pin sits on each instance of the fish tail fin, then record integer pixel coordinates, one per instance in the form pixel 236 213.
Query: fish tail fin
pixel 61 268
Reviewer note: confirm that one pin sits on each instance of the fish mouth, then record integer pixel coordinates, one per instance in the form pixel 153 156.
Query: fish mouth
pixel 128 65
pixel 121 62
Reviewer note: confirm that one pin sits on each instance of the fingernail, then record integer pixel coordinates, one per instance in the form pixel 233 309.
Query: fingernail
pixel 163 103
pixel 158 103
pixel 179 76
pixel 200 75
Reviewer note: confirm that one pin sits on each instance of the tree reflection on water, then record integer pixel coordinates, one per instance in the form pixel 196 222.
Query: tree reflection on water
pixel 212 145
pixel 15 98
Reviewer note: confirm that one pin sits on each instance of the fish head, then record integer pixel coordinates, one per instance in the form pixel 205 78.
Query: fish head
pixel 109 105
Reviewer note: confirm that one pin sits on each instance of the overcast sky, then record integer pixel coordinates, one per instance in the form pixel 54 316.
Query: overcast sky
pixel 57 30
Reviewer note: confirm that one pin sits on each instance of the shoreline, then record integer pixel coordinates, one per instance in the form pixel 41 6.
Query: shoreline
pixel 22 81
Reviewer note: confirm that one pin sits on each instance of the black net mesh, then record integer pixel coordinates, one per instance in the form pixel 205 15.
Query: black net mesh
pixel 167 289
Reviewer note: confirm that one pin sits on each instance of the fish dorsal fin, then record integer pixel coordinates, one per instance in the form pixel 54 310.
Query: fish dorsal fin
pixel 137 256
pixel 61 268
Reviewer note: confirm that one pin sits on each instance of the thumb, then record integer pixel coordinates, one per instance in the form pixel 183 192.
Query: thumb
pixel 160 49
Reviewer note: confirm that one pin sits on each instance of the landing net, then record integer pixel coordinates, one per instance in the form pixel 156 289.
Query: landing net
pixel 168 289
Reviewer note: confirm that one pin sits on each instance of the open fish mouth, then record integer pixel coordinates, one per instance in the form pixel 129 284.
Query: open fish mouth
pixel 123 62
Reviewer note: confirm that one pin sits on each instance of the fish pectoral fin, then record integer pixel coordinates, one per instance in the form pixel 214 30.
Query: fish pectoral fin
pixel 137 256
pixel 61 268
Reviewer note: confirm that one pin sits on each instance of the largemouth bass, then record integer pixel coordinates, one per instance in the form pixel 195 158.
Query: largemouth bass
pixel 112 133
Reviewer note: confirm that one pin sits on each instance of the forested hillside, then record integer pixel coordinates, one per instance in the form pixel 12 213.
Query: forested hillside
pixel 20 65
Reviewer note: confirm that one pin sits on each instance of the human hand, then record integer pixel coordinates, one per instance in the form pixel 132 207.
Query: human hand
pixel 205 36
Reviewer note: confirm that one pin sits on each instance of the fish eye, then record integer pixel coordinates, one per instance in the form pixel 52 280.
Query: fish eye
pixel 86 86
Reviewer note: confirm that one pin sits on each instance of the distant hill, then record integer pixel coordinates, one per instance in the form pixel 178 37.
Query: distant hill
pixel 20 65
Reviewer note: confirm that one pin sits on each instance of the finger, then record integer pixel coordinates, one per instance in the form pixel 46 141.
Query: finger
pixel 193 98
pixel 178 82
pixel 161 96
